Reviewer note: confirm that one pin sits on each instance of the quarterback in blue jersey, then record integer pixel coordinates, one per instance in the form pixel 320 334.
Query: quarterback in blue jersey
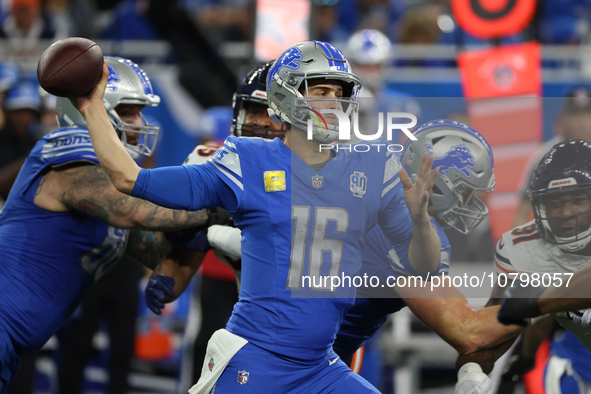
pixel 302 211
pixel 64 224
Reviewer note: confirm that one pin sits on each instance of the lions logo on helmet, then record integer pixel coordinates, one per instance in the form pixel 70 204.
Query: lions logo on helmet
pixel 127 84
pixel 113 79
pixel 465 161
pixel 458 157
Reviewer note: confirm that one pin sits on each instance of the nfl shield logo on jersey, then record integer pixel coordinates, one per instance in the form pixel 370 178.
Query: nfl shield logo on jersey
pixel 358 184
pixel 243 377
pixel 210 364
pixel 317 181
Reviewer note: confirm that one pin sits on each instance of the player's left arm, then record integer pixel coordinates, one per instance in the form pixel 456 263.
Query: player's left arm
pixel 425 246
pixel 572 295
pixel 486 358
pixel 171 277
pixel 447 312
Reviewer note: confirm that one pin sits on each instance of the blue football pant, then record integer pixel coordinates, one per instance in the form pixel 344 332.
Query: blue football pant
pixel 274 374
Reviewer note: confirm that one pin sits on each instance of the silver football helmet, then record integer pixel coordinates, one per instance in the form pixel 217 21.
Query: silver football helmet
pixel 291 72
pixel 465 162
pixel 369 46
pixel 127 84
pixel 370 51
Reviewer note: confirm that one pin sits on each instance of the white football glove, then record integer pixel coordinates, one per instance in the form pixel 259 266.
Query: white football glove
pixel 582 317
pixel 471 380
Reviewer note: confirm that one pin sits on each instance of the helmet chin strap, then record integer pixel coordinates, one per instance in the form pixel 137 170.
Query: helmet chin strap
pixel 576 242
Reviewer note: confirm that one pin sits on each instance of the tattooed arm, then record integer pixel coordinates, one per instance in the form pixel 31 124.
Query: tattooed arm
pixel 88 190
pixel 148 248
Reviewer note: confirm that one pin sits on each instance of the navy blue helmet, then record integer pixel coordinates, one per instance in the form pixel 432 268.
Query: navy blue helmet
pixel 252 91
pixel 565 168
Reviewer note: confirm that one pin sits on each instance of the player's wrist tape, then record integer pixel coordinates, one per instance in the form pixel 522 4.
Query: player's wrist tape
pixel 469 368
pixel 536 319
pixel 227 239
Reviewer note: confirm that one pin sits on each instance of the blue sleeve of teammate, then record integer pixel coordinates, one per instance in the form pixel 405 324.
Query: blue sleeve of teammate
pixel 191 188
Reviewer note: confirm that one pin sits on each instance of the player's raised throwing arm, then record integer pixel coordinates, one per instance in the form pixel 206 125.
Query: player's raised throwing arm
pixel 111 153
pixel 120 167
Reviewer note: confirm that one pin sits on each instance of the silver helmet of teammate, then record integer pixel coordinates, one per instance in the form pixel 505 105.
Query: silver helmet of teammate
pixel 127 84
pixel 288 81
pixel 465 162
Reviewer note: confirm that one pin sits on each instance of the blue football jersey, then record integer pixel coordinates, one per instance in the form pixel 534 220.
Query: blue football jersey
pixel 49 259
pixel 295 223
pixel 569 347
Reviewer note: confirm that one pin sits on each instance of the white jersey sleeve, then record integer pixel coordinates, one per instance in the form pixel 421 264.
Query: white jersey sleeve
pixel 523 250
pixel 201 154
pixel 502 260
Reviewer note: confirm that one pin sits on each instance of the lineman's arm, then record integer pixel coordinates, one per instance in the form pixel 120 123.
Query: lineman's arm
pixel 88 190
pixel 425 246
pixel 181 266
pixel 486 358
pixel 147 248
pixel 110 151
pixel 171 277
pixel 567 298
pixel 532 302
pixel 447 312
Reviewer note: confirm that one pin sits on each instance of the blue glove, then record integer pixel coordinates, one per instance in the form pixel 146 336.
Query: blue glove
pixel 158 288
pixel 192 239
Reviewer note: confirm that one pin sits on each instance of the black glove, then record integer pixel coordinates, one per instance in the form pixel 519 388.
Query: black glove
pixel 520 302
pixel 196 238
pixel 217 216
pixel 192 238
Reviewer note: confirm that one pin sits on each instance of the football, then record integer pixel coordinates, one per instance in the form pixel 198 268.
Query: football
pixel 70 67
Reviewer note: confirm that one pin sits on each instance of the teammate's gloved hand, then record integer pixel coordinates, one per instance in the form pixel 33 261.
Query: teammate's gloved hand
pixel 517 367
pixel 217 216
pixel 520 303
pixel 471 380
pixel 158 288
pixel 192 238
